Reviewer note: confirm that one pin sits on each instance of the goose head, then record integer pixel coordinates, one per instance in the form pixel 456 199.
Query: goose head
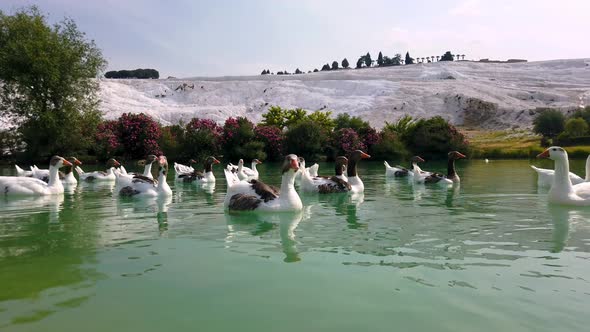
pixel 291 164
pixel 554 153
pixel 58 162
pixel 209 162
pixel 301 161
pixel 454 155
pixel 113 163
pixel 163 165
pixel 341 162
pixel 151 159
pixel 256 161
pixel 417 159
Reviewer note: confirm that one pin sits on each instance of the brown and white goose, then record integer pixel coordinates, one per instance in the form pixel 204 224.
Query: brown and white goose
pixel 438 178
pixel 326 184
pixel 255 195
pixel 109 175
pixel 198 176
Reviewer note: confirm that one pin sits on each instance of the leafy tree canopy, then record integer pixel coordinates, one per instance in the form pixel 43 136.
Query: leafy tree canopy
pixel 48 87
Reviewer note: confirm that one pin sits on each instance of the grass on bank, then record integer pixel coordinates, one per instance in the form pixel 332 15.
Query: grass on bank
pixel 512 144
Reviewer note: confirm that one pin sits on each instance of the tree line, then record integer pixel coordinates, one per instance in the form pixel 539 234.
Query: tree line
pixel 137 73
pixel 366 61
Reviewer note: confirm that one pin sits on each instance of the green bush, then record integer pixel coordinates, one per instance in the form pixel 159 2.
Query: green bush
pixel 576 127
pixel 171 142
pixel 434 138
pixel 307 139
pixel 390 146
pixel 549 123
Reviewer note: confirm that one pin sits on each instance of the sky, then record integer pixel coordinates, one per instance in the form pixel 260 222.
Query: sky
pixel 185 38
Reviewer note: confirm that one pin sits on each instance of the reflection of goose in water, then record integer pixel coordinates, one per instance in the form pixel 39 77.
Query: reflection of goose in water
pixel 33 204
pixel 452 195
pixel 344 204
pixel 100 186
pixel 257 224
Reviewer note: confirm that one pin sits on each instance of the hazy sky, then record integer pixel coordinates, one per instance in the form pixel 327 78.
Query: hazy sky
pixel 213 38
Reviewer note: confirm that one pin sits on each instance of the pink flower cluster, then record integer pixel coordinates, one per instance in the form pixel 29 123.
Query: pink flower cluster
pixel 197 124
pixel 273 138
pixel 348 140
pixel 107 136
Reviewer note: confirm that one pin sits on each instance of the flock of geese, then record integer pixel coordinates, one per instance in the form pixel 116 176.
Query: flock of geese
pixel 246 192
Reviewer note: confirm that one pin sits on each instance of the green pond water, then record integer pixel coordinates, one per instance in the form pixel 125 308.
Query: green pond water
pixel 490 255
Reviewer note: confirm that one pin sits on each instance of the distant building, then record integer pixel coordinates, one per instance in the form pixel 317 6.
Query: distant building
pixel 516 60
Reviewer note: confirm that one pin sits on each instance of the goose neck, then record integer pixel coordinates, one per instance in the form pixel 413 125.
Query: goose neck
pixel 287 182
pixel 451 168
pixel 561 179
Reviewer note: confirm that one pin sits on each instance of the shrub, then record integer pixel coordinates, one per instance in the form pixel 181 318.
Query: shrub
pixel 402 126
pixel 306 139
pixel 10 142
pixel 389 146
pixel 239 140
pixel 434 138
pixel 107 141
pixel 576 127
pixel 345 141
pixel 139 135
pixel 583 113
pixel 273 139
pixel 346 121
pixel 549 123
pixel 172 142
pixel 202 138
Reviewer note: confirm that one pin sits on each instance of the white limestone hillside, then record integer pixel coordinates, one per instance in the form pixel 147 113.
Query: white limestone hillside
pixel 487 95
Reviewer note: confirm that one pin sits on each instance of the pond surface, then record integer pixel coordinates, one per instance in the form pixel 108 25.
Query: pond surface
pixel 490 255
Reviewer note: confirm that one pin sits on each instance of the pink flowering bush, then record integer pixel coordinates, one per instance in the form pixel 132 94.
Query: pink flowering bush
pixel 107 139
pixel 239 140
pixel 346 140
pixel 139 135
pixel 273 139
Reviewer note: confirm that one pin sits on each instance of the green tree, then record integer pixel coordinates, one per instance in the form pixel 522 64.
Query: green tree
pixel 306 138
pixel 360 61
pixel 326 67
pixel 275 116
pixel 380 59
pixel 335 65
pixel 409 59
pixel 583 113
pixel 47 82
pixel 576 127
pixel 344 120
pixel 345 63
pixel 324 119
pixel 368 60
pixel 549 123
pixel 447 56
pixel 434 138
pixel 401 127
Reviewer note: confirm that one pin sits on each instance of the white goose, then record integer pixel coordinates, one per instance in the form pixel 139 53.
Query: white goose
pixel 243 172
pixel 353 179
pixel 66 177
pixel 326 184
pixel 124 179
pixel 201 177
pixel 181 170
pixel 109 175
pixel 22 172
pixel 143 186
pixel 545 176
pixel 562 191
pixel 256 195
pixel 400 171
pixel 14 185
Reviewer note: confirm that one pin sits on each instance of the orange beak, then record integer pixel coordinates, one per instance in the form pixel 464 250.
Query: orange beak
pixel 215 161
pixel 420 159
pixel 294 164
pixel 67 163
pixel 365 156
pixel 544 154
pixel 258 162
pixel 460 155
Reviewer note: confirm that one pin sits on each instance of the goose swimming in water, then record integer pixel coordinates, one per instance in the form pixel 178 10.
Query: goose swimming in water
pixel 256 195
pixel 29 186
